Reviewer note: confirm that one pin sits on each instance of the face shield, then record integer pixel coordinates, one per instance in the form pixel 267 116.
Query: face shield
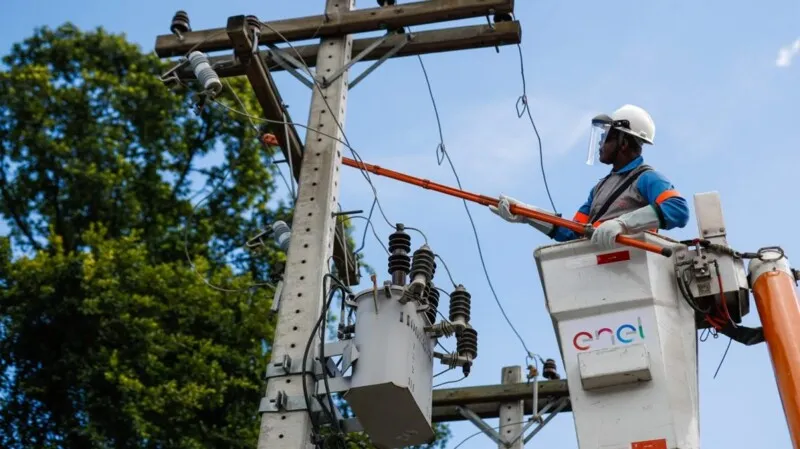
pixel 597 138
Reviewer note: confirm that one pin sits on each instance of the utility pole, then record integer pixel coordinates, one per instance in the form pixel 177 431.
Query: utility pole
pixel 311 246
pixel 286 421
pixel 511 412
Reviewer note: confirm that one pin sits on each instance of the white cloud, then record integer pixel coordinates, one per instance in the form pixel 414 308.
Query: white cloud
pixel 787 53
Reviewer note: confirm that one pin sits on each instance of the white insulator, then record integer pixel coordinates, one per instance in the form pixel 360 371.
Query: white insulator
pixel 205 74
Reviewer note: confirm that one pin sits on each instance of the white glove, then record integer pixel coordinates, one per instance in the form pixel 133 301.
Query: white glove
pixel 503 209
pixel 605 235
pixel 633 222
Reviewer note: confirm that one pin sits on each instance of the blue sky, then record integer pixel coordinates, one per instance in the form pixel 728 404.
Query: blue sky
pixel 717 77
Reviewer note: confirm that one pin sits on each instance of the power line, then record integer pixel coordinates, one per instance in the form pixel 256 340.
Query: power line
pixel 523 102
pixel 445 155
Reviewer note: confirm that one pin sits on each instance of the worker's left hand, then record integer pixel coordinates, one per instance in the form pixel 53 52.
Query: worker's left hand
pixel 606 234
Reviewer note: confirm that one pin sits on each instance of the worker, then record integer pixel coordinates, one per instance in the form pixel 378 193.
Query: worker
pixel 632 198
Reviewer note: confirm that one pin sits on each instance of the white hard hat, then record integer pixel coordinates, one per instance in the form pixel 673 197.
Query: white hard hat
pixel 629 119
pixel 640 124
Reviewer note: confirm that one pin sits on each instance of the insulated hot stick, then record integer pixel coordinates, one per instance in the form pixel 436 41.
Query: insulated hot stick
pixel 489 201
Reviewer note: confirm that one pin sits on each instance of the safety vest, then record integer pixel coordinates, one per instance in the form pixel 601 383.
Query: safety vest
pixel 615 195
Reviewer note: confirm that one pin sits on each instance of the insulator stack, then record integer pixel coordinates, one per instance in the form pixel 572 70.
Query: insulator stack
pixel 432 294
pixel 503 17
pixel 205 73
pixel 424 264
pixel 550 371
pixel 467 346
pixel 460 305
pixel 253 23
pixel 399 259
pixel 180 24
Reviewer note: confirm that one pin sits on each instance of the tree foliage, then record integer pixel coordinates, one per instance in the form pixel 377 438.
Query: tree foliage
pixel 109 337
pixel 129 318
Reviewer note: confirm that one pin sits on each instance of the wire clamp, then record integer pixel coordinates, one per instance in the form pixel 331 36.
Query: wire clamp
pixel 282 403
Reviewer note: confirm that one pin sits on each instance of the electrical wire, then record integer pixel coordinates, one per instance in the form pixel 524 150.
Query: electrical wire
pixel 724 354
pixel 471 436
pixel 369 225
pixel 324 97
pixel 289 186
pixel 447 270
pixel 449 382
pixel 323 316
pixel 322 330
pixel 523 99
pixel 189 257
pixel 445 155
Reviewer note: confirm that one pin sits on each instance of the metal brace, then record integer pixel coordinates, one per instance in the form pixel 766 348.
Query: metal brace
pixel 481 424
pixel 276 300
pixel 327 81
pixel 291 65
pixel 376 64
pixel 557 407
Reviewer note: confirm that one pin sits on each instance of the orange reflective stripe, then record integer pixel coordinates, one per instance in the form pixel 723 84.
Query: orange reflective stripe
pixel 597 223
pixel 580 217
pixel 667 194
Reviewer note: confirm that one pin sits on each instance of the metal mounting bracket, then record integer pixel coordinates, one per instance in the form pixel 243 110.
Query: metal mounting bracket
pixel 558 406
pixel 286 367
pixel 376 64
pixel 285 403
pixel 291 65
pixel 481 424
pixel 327 80
pixel 554 407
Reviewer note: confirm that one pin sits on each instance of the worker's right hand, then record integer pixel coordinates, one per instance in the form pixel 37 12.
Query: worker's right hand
pixel 503 209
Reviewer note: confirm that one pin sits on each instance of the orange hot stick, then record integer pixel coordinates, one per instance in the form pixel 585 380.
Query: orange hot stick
pixel 489 201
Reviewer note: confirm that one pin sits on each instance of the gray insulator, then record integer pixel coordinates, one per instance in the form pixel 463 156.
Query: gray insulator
pixel 282 233
pixel 205 74
pixel 468 343
pixel 550 371
pixel 399 259
pixel 460 304
pixel 423 263
pixel 180 23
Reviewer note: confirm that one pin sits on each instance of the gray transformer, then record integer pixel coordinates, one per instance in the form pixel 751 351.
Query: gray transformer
pixel 391 386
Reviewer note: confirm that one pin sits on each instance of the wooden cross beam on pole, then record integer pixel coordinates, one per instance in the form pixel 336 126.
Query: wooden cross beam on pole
pixel 485 400
pixel 422 42
pixel 351 22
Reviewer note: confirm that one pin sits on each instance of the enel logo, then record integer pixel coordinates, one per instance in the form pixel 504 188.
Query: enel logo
pixel 624 334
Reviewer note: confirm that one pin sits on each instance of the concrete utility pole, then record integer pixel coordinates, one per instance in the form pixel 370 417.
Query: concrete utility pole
pixel 286 422
pixel 312 238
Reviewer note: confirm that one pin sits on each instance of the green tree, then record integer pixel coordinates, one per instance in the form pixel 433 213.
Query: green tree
pixel 109 337
pixel 128 317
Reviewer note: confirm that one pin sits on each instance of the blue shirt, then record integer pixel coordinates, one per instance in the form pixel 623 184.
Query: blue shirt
pixel 655 188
